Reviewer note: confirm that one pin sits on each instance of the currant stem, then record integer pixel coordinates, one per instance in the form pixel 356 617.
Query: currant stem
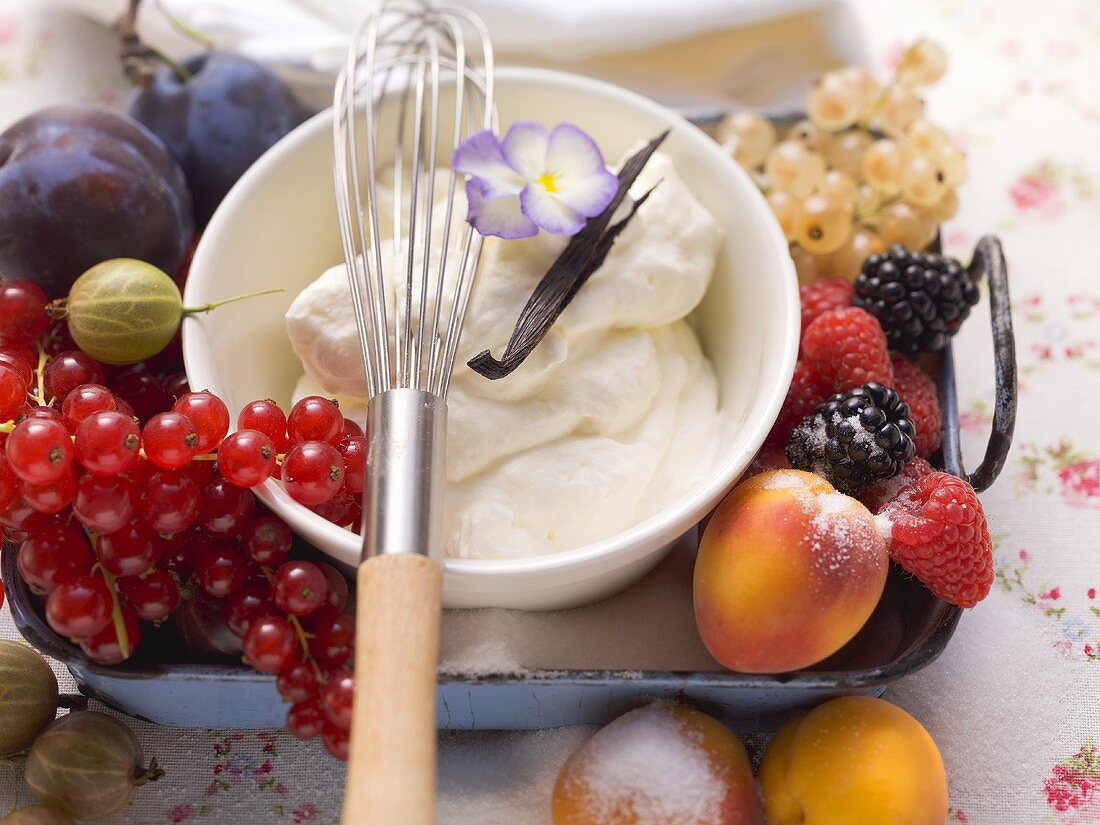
pixel 214 305
pixel 40 396
pixel 874 209
pixel 299 632
pixel 116 605
pixel 895 78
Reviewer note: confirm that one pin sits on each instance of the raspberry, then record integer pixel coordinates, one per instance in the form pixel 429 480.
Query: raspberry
pixel 821 296
pixel 881 493
pixel 847 348
pixel 919 392
pixel 807 390
pixel 940 535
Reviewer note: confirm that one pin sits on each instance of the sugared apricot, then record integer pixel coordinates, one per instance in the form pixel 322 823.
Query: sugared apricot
pixel 659 765
pixel 788 571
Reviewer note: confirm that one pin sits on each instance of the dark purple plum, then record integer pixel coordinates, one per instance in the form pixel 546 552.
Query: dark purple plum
pixel 79 186
pixel 218 122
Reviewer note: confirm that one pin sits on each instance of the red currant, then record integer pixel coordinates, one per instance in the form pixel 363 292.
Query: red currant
pixel 59 339
pixel 152 596
pixel 52 497
pixel 351 429
pixel 68 370
pixel 175 385
pixel 336 509
pixel 129 551
pixel 305 718
pixel 85 400
pixel 337 586
pixel 246 458
pixel 354 452
pixel 9 484
pixel 104 504
pixel 297 682
pixel 314 419
pixel 169 502
pixel 104 648
pixel 333 637
pixel 225 510
pixel 201 472
pixel 142 391
pixel 23 518
pixel 14 360
pixel 40 412
pixel 80 607
pixel 26 355
pixel 220 569
pixel 269 644
pixel 313 472
pixel 23 315
pixel 123 406
pixel 13 392
pixel 267 540
pixel 336 698
pixel 246 605
pixel 170 440
pixel 299 587
pixel 40 451
pixel 53 555
pixel 266 417
pixel 175 553
pixel 335 740
pixel 209 415
pixel 108 443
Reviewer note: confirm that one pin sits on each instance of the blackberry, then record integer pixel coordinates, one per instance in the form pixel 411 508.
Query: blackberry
pixel 855 438
pixel 919 298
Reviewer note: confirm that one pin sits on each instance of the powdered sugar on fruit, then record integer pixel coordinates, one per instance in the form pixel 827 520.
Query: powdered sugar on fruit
pixel 647 767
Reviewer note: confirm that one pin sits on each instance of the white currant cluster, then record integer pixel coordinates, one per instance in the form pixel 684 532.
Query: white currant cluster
pixel 865 170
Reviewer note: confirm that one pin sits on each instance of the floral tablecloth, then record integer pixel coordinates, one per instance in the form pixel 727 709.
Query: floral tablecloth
pixel 1014 702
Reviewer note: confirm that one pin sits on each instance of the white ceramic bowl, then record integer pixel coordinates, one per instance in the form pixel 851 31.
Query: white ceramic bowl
pixel 278 228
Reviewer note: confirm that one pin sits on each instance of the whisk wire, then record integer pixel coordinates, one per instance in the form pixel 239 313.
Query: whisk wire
pixel 416 44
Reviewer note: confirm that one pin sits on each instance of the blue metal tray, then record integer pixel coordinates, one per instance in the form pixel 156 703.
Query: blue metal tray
pixel 909 629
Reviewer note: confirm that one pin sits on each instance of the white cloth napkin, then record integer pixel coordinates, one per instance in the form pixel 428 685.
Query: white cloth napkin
pixel 688 52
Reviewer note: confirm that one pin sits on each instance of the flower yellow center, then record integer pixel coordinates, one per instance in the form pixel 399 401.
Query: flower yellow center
pixel 549 182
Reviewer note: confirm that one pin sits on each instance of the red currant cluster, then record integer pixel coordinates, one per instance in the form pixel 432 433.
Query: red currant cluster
pixel 126 496
pixel 293 624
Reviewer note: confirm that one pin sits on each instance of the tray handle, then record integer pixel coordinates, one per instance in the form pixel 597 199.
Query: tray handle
pixel 989 259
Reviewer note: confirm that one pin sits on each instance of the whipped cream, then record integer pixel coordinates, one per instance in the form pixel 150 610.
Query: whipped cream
pixel 611 418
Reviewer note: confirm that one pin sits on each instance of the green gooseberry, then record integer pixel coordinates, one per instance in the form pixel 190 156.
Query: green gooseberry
pixel 28 696
pixel 88 765
pixel 124 310
pixel 37 815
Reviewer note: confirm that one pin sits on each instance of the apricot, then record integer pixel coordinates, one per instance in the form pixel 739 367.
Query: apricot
pixel 788 571
pixel 854 761
pixel 662 764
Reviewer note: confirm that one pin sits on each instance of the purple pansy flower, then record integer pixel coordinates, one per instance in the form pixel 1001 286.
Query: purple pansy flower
pixel 533 179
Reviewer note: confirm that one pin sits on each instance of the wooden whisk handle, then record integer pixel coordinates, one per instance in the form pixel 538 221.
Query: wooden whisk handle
pixel 391 764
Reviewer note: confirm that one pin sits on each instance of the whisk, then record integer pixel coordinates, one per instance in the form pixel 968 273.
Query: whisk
pixel 418 80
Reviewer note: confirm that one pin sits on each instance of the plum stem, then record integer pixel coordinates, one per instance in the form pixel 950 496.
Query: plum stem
pixel 235 298
pixel 138 57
